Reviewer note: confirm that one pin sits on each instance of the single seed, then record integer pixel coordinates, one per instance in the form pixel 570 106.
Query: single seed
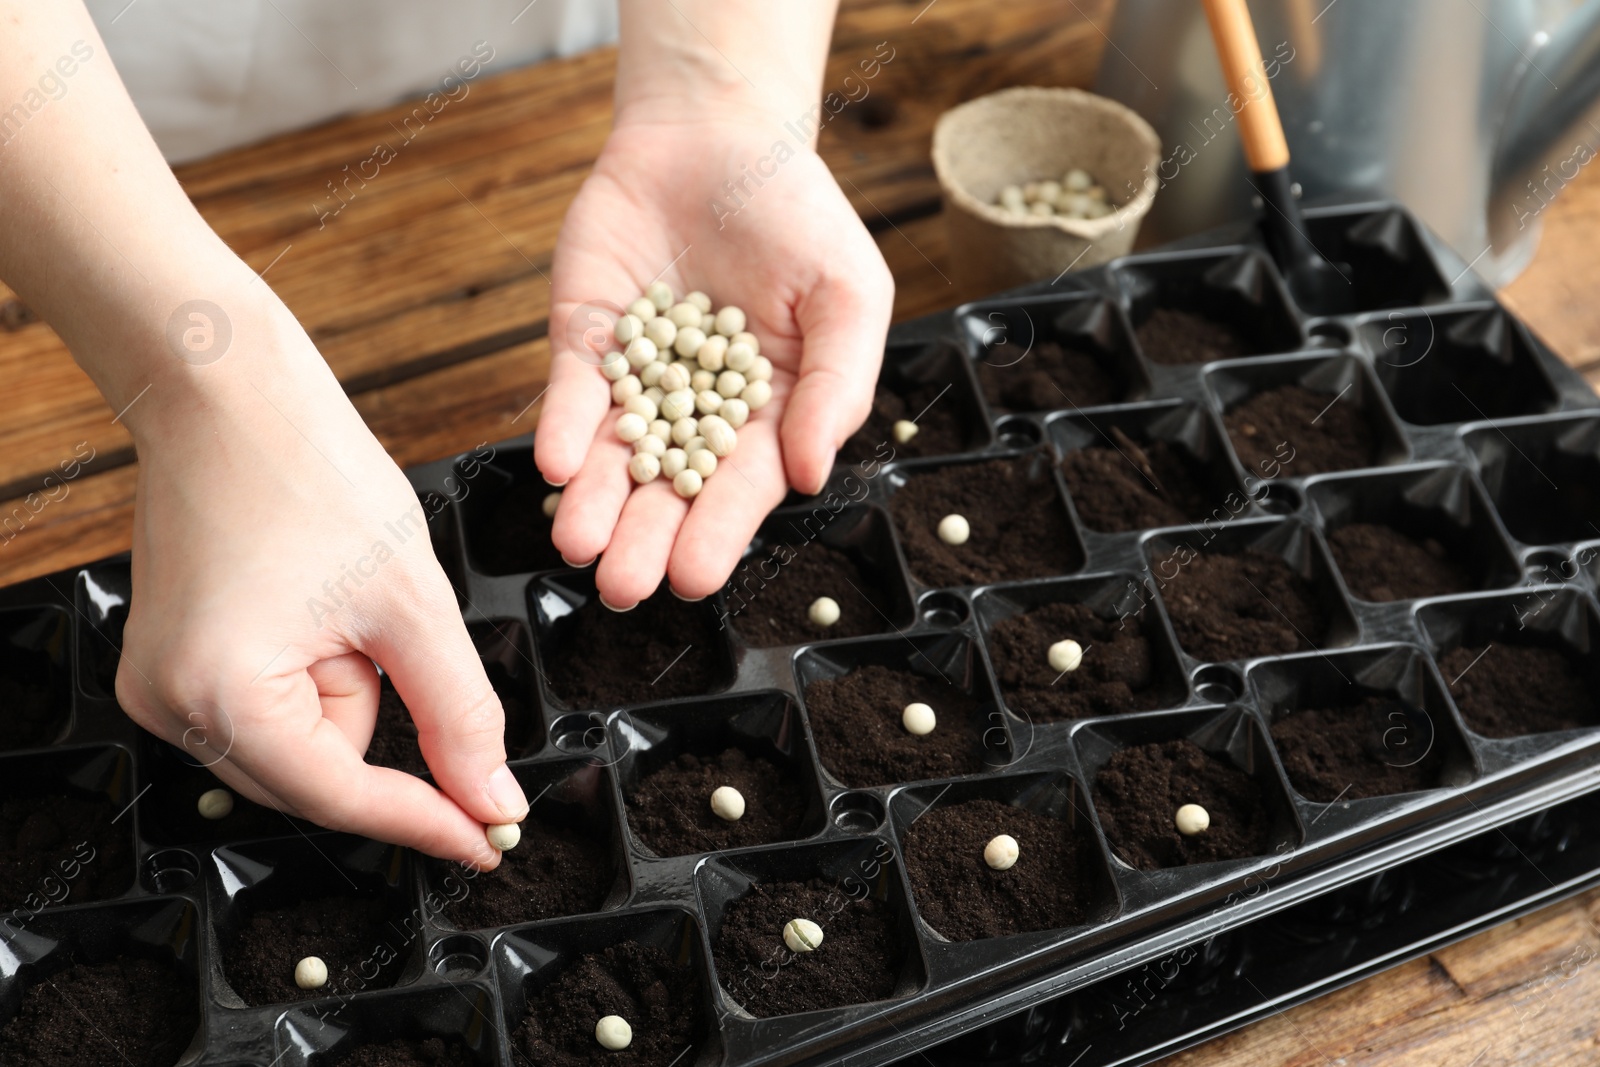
pixel 652 445
pixel 1192 819
pixel 694 444
pixel 627 328
pixel 918 719
pixel 673 461
pixel 735 411
pixel 1077 179
pixel 824 611
pixel 641 350
pixel 748 338
pixel 707 401
pixel 661 428
pixel 674 377
pixel 730 383
pixel 905 430
pixel 688 342
pixel 760 370
pixel 687 484
pixel 703 462
pixel 954 530
pixel 1001 852
pixel 650 373
pixel 623 388
pixel 757 395
pixel 505 836
pixel 702 380
pixel 685 430
pixel 659 294
pixel 613 1032
pixel 802 935
pixel 551 502
pixel 644 467
pixel 662 331
pixel 719 436
pixel 655 394
pixel 218 803
pixel 699 300
pixel 677 406
pixel 311 973
pixel 643 310
pixel 631 427
pixel 1040 208
pixel 615 366
pixel 713 354
pixel 1065 656
pixel 740 356
pixel 1011 197
pixel 729 321
pixel 643 407
pixel 1049 190
pixel 684 314
pixel 727 803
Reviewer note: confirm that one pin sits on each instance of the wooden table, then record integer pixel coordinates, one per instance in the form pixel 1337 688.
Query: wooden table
pixel 428 295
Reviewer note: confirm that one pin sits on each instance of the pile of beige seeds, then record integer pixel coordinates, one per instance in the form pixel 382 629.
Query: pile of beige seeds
pixel 1075 196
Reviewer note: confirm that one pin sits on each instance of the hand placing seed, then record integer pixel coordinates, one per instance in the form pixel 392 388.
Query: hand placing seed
pixel 1192 819
pixel 1065 656
pixel 802 935
pixel 504 836
pixel 824 611
pixel 215 804
pixel 918 719
pixel 954 530
pixel 614 1033
pixel 311 973
pixel 727 803
pixel 1001 852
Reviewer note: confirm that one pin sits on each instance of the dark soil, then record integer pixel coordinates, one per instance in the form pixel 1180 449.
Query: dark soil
pixel 958 894
pixel 1047 378
pixel 858 961
pixel 354 936
pixel 555 870
pixel 394 737
pixel 1170 335
pixel 513 536
pixel 1512 690
pixel 1381 563
pixel 1325 434
pixel 1139 791
pixel 1252 603
pixel 171 813
pixel 62 849
pixel 1137 487
pixel 939 429
pixel 1019 527
pixel 773 611
pixel 32 714
pixel 855 721
pixel 1363 750
pixel 124 1013
pixel 660 999
pixel 670 810
pixel 663 648
pixel 429 1052
pixel 1117 675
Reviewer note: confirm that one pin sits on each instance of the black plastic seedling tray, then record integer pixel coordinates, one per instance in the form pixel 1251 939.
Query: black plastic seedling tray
pixel 1481 438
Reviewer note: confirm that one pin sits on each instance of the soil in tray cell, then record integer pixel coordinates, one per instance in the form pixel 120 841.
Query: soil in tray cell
pixel 660 999
pixel 1139 791
pixel 856 722
pixel 670 810
pixel 1171 335
pixel 1117 674
pixel 33 716
pixel 62 849
pixel 1299 432
pixel 1510 690
pixel 1226 607
pixel 429 1052
pixel 1363 750
pixel 1137 487
pixel 1019 526
pixel 1051 376
pixel 1380 563
pixel 554 871
pixel 775 612
pixel 514 536
pixel 124 1013
pixel 354 936
pixel 663 648
pixel 858 961
pixel 960 896
pixel 933 408
pixel 394 735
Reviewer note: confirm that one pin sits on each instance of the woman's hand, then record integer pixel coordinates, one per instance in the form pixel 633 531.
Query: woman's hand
pixel 787 248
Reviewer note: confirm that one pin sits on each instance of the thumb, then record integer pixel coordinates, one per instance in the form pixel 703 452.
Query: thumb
pixel 844 322
pixel 424 647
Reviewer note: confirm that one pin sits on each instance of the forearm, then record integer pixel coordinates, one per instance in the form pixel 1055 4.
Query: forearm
pixel 765 56
pixel 96 235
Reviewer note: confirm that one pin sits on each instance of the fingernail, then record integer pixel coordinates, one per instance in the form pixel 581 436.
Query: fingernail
pixel 506 792
pixel 685 599
pixel 556 485
pixel 577 566
pixel 613 607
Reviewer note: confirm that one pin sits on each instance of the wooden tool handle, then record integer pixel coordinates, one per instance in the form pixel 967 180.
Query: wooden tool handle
pixel 1259 127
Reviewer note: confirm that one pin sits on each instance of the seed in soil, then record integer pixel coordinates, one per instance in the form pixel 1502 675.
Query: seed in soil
pixel 1139 788
pixel 768 597
pixel 1372 748
pixel 1227 607
pixel 1019 526
pixel 918 719
pixel 857 962
pixel 824 611
pixel 663 648
pixel 1048 377
pixel 1506 690
pixel 215 804
pixel 504 836
pixel 904 431
pixel 1065 656
pixel 1192 819
pixel 1116 673
pixel 1138 487
pixel 856 722
pixel 1172 335
pixel 62 848
pixel 960 895
pixel 1380 563
pixel 937 416
pixel 428 1052
pixel 954 529
pixel 660 999
pixel 1001 852
pixel 669 813
pixel 358 939
pixel 145 1015
pixel 1293 430
pixel 727 803
pixel 613 1032
pixel 802 935
pixel 563 868
pixel 311 973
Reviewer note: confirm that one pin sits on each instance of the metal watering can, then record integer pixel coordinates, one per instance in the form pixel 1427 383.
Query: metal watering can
pixel 1473 113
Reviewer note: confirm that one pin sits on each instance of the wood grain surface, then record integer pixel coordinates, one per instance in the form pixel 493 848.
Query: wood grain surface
pixel 428 293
